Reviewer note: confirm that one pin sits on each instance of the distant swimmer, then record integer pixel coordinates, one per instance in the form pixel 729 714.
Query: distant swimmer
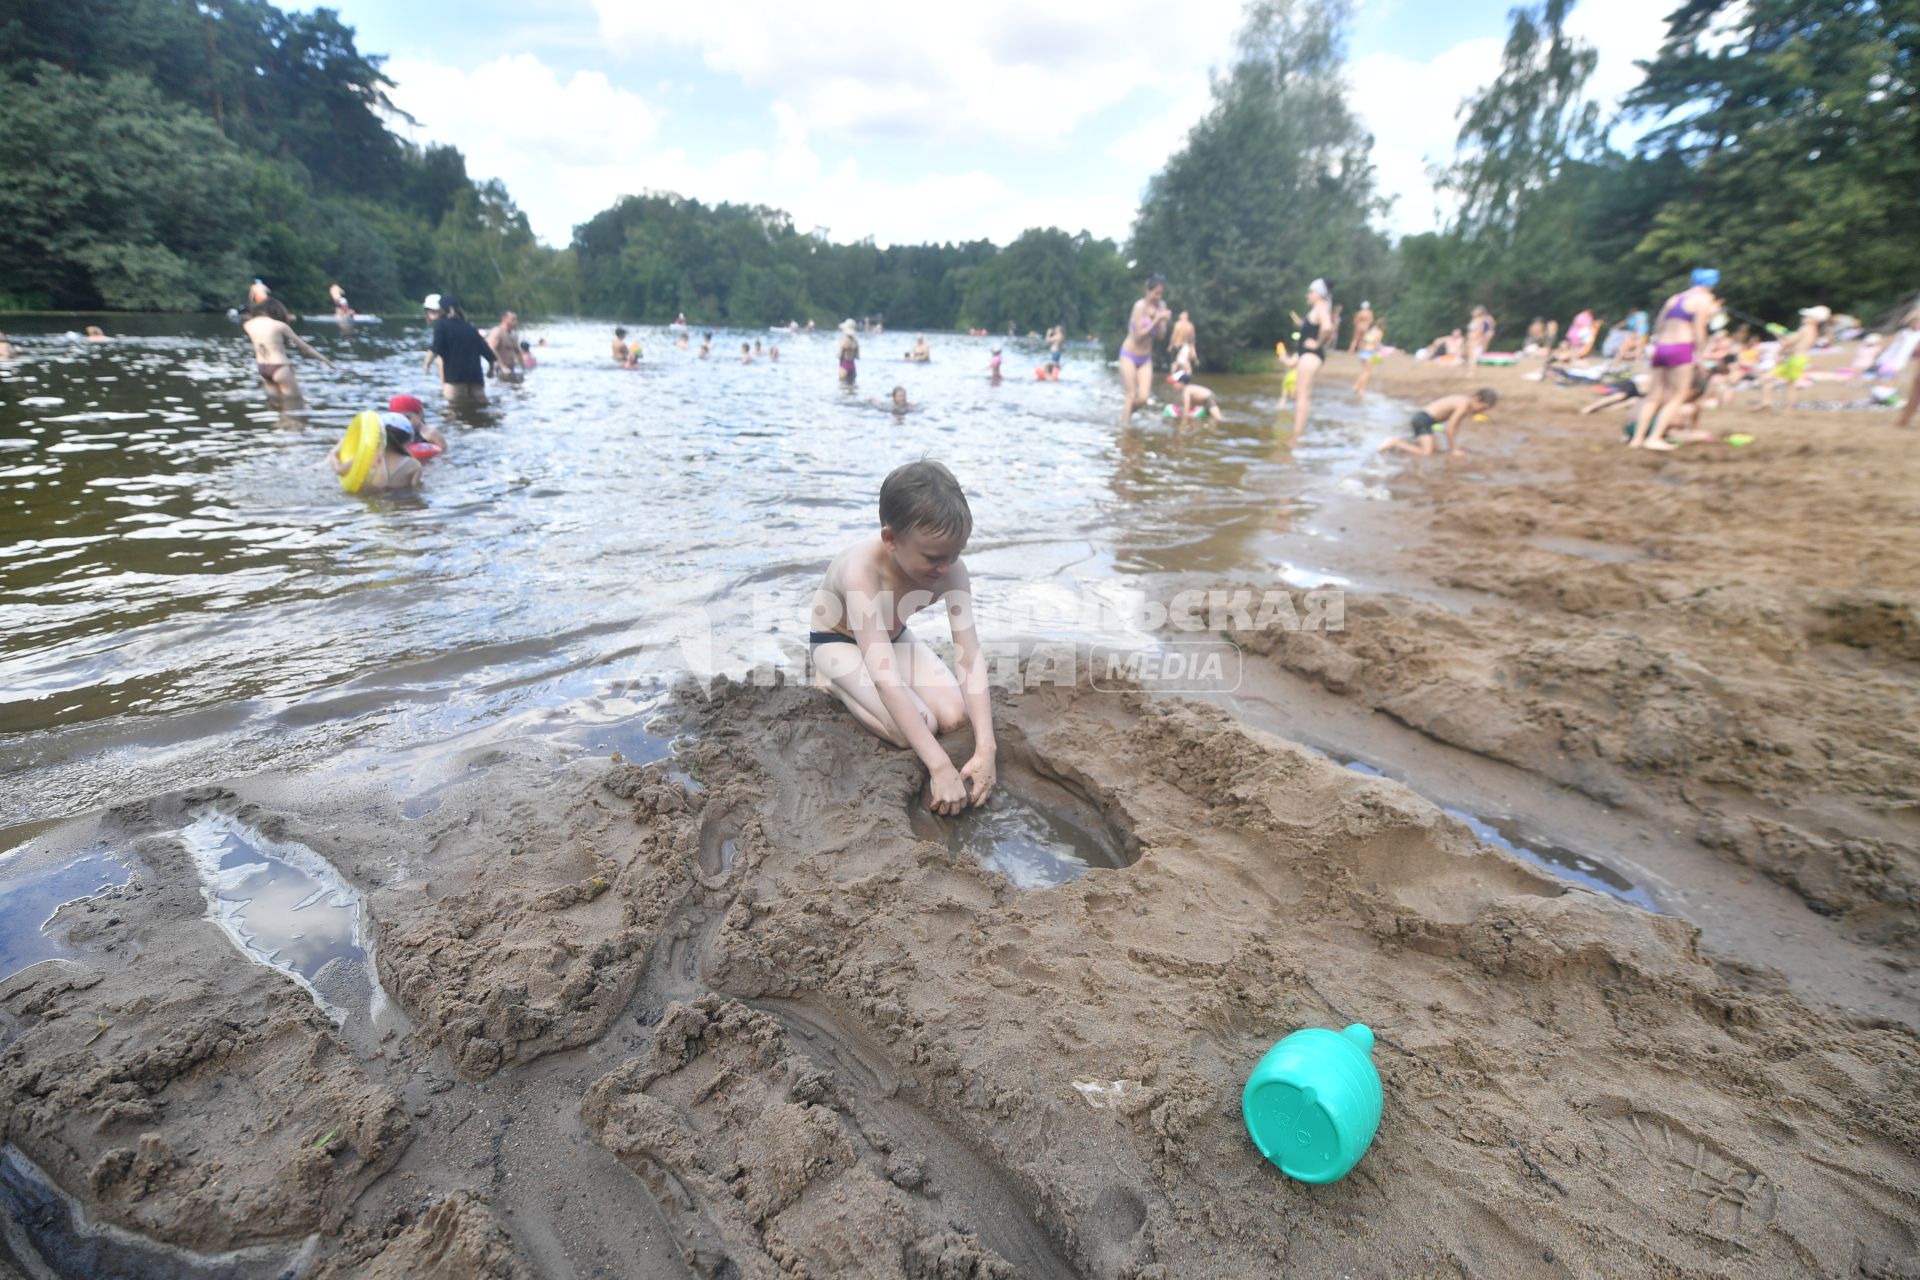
pixel 849 353
pixel 756 347
pixel 773 352
pixel 504 338
pixel 993 366
pixel 96 334
pixel 746 354
pixel 526 356
pixel 681 342
pixel 460 349
pixel 342 309
pixel 921 353
pixel 6 348
pixel 1056 341
pixel 620 346
pixel 1315 332
pixel 1148 320
pixel 706 344
pixel 268 329
pixel 899 402
pixel 681 319
pixel 1444 416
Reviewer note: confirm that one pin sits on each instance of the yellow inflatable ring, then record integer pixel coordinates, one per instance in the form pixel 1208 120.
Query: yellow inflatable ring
pixel 365 438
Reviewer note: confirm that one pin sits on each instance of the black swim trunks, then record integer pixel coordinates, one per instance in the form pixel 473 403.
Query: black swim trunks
pixel 817 638
pixel 1423 424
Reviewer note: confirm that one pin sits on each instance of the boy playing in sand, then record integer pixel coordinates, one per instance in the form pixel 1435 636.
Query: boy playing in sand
pixel 884 674
pixel 1444 415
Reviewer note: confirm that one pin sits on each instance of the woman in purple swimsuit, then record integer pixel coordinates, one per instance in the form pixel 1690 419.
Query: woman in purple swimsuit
pixel 1682 330
pixel 1150 316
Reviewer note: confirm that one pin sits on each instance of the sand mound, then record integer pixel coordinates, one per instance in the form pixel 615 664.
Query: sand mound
pixel 756 1025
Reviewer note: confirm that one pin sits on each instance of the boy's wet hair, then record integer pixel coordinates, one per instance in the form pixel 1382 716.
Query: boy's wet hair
pixel 619 333
pixel 1156 280
pixel 1487 396
pixel 924 496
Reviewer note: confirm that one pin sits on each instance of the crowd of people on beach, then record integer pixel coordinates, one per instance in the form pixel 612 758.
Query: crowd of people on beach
pixel 1665 366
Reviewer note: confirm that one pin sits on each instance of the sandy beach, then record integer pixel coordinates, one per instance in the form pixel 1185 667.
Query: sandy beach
pixel 741 1011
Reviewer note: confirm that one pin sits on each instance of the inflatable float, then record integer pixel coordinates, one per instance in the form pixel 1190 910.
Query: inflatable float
pixel 366 437
pixel 353 319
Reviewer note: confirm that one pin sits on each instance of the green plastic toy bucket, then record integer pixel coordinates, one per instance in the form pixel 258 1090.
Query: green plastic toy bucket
pixel 1312 1105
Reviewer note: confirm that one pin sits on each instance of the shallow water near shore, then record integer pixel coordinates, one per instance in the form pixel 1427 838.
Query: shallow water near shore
pixel 187 594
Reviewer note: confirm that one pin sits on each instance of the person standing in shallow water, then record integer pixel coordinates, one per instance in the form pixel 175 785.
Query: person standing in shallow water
pixel 849 353
pixel 268 329
pixel 1315 332
pixel 460 349
pixel 1146 323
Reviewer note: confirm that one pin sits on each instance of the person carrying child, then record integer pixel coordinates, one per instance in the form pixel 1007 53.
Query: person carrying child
pixel 863 653
pixel 1444 415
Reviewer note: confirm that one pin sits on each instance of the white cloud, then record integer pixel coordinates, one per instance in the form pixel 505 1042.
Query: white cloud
pixel 1412 106
pixel 568 149
pixel 1001 69
pixel 1412 109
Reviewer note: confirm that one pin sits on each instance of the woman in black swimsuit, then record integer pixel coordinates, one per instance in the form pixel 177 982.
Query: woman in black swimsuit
pixel 1316 331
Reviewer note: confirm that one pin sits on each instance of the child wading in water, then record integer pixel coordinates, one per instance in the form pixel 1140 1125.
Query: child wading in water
pixel 888 677
pixel 1444 415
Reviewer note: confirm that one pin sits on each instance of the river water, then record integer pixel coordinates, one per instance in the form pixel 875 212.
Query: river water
pixel 187 595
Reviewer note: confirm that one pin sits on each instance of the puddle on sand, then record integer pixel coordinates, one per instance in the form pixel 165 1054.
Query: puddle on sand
pixel 28 899
pixel 1035 844
pixel 1504 833
pixel 48 1234
pixel 285 906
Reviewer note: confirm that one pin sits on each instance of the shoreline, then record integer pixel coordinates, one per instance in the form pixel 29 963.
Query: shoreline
pixel 724 1003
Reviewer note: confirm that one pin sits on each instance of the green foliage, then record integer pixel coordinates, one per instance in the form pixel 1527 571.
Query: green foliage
pixel 93 209
pixel 1523 128
pixel 652 257
pixel 1800 130
pixel 1272 188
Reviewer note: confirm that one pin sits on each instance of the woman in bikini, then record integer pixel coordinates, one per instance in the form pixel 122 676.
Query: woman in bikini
pixel 1315 332
pixel 1150 316
pixel 1682 330
pixel 267 328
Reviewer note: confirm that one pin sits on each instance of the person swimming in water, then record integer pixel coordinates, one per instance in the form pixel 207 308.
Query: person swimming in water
pixel 706 344
pixel 407 435
pixel 504 338
pixel 620 346
pixel 921 353
pixel 267 327
pixel 1148 318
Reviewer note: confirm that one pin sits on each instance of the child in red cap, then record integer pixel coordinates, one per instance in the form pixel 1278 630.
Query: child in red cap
pixel 410 441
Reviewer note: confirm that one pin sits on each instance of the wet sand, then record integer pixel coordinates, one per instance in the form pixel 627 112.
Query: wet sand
pixel 730 1008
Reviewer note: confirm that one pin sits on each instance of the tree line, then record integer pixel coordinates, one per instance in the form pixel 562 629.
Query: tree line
pixel 158 154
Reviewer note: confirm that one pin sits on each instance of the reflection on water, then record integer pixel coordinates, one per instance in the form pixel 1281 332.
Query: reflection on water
pixel 1035 843
pixel 29 895
pixel 281 903
pixel 186 593
pixel 1504 833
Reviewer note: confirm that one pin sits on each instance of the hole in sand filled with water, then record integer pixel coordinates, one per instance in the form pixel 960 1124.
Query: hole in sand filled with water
pixel 1034 830
pixel 30 895
pixel 1503 833
pixel 283 905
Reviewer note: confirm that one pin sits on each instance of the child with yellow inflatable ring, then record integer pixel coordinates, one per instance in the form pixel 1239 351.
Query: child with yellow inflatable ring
pixel 383 451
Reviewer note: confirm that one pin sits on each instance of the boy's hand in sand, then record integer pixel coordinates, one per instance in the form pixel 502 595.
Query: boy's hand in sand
pixel 946 794
pixel 979 773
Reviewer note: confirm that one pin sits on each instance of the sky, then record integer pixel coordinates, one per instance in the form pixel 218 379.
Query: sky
pixel 906 123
